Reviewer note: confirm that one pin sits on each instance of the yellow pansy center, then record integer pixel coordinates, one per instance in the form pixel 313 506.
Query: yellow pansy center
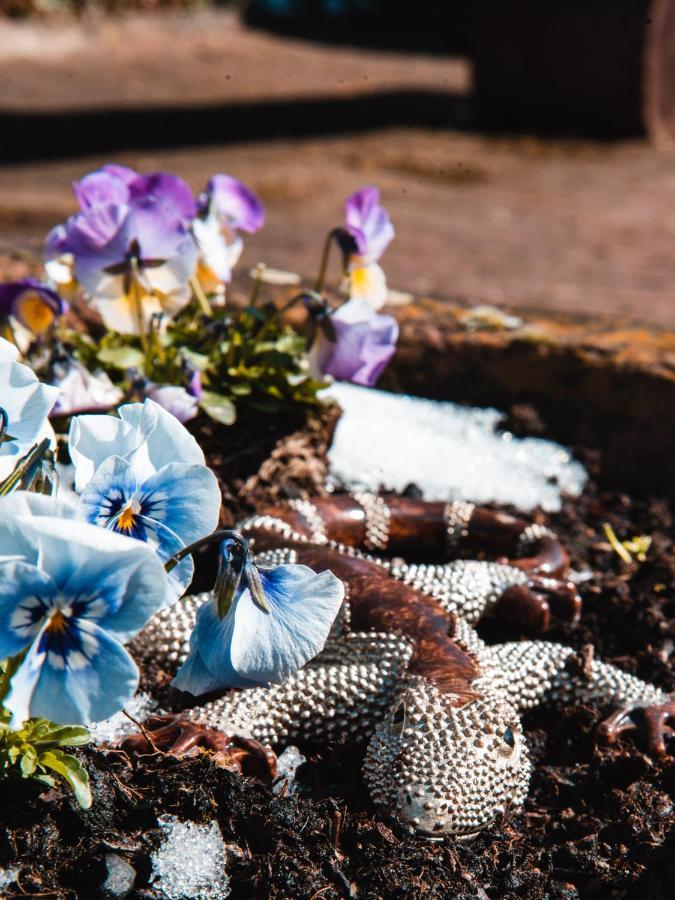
pixel 127 518
pixel 35 313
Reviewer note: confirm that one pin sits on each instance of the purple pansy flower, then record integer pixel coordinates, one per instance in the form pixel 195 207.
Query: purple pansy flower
pixel 82 391
pixel 367 234
pixel 174 399
pixel 132 260
pixel 364 343
pixel 34 304
pixel 226 207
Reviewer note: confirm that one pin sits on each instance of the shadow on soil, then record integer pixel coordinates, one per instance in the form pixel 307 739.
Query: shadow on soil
pixel 50 135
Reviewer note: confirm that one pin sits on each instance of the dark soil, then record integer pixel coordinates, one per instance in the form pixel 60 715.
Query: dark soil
pixel 598 821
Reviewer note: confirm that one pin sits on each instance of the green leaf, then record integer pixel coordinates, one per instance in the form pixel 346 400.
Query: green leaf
pixel 220 409
pixel 73 772
pixel 122 357
pixel 199 361
pixel 65 735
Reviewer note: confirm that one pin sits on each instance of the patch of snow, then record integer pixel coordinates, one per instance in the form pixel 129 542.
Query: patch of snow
pixel 288 764
pixel 8 877
pixel 451 452
pixel 119 726
pixel 190 862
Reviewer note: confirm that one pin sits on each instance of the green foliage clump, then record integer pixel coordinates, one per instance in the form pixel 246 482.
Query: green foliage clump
pixel 35 750
pixel 248 357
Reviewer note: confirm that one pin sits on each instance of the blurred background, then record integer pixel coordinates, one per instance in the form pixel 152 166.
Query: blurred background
pixel 523 147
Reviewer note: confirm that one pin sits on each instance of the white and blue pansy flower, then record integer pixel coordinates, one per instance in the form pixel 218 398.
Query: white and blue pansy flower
pixel 252 646
pixel 25 404
pixel 69 599
pixel 144 433
pixel 143 475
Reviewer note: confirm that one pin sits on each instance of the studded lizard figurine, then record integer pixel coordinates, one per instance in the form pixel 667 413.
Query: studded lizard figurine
pixel 404 669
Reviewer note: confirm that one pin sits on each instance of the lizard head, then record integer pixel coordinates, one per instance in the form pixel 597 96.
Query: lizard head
pixel 447 769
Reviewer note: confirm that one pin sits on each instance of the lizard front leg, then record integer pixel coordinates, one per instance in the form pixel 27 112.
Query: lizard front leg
pixel 531 673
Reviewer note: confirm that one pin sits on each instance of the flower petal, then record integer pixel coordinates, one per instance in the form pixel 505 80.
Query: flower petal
pixel 25 592
pixel 166 439
pixel 235 204
pixel 122 580
pixel 166 544
pixel 92 439
pixel 109 491
pixel 211 637
pixel 368 284
pixel 185 498
pixel 96 688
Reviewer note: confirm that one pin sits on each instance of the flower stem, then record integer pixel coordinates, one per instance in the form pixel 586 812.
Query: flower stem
pixel 217 536
pixel 323 266
pixel 136 301
pixel 257 281
pixel 199 293
pixel 24 466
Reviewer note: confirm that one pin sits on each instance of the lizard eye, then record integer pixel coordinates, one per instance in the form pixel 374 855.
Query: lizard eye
pixel 508 738
pixel 398 719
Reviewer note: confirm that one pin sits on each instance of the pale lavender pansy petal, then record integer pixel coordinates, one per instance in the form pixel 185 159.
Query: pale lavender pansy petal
pixel 124 173
pixel 82 391
pixel 365 342
pixel 369 223
pixel 235 204
pixel 170 196
pixel 174 399
pixel 368 283
pixel 101 186
pixel 216 253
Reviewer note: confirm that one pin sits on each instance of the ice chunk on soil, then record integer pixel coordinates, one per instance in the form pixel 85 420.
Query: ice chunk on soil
pixel 118 726
pixel 189 864
pixel 450 452
pixel 120 878
pixel 288 764
pixel 8 877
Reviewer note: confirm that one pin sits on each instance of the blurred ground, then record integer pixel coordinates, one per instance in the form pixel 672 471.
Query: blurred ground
pixel 566 225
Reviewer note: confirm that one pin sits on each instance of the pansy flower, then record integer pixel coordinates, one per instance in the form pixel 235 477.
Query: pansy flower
pixel 364 343
pixel 25 404
pixel 176 399
pixel 82 391
pixel 227 207
pixel 276 620
pixel 367 234
pixel 33 304
pixel 70 595
pixel 143 475
pixel 129 248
